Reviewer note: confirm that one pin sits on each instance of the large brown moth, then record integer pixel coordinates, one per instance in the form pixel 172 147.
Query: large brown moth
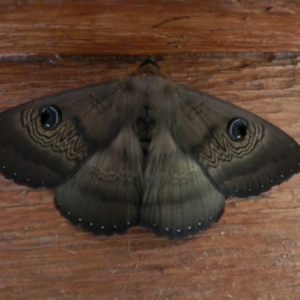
pixel 143 150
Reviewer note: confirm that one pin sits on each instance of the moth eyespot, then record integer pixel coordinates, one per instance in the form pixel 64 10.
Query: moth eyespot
pixel 50 116
pixel 237 129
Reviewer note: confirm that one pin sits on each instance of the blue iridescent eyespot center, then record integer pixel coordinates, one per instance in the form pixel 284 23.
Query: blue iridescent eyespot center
pixel 237 129
pixel 50 116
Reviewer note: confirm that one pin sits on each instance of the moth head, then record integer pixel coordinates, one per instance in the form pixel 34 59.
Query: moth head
pixel 150 60
pixel 237 129
pixel 50 116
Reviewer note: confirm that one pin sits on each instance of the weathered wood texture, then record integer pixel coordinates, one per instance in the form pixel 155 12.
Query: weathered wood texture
pixel 243 51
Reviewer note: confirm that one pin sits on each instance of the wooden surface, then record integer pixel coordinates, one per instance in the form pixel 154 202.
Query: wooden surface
pixel 246 52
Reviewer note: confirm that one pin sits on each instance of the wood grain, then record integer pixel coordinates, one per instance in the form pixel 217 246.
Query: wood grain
pixel 246 52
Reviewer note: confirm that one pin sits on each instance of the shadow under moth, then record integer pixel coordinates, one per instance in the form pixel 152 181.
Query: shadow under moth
pixel 143 150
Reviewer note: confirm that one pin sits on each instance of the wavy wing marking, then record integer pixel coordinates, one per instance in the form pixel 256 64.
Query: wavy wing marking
pixel 61 140
pixel 225 149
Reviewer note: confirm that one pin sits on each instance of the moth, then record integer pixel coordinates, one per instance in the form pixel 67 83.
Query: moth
pixel 143 150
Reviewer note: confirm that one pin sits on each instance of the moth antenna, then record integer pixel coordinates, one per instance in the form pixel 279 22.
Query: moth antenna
pixel 150 60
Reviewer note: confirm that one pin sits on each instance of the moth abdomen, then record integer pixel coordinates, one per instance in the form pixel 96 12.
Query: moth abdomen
pixel 145 126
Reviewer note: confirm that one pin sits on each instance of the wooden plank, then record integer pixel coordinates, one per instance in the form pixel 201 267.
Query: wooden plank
pixel 253 251
pixel 142 27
